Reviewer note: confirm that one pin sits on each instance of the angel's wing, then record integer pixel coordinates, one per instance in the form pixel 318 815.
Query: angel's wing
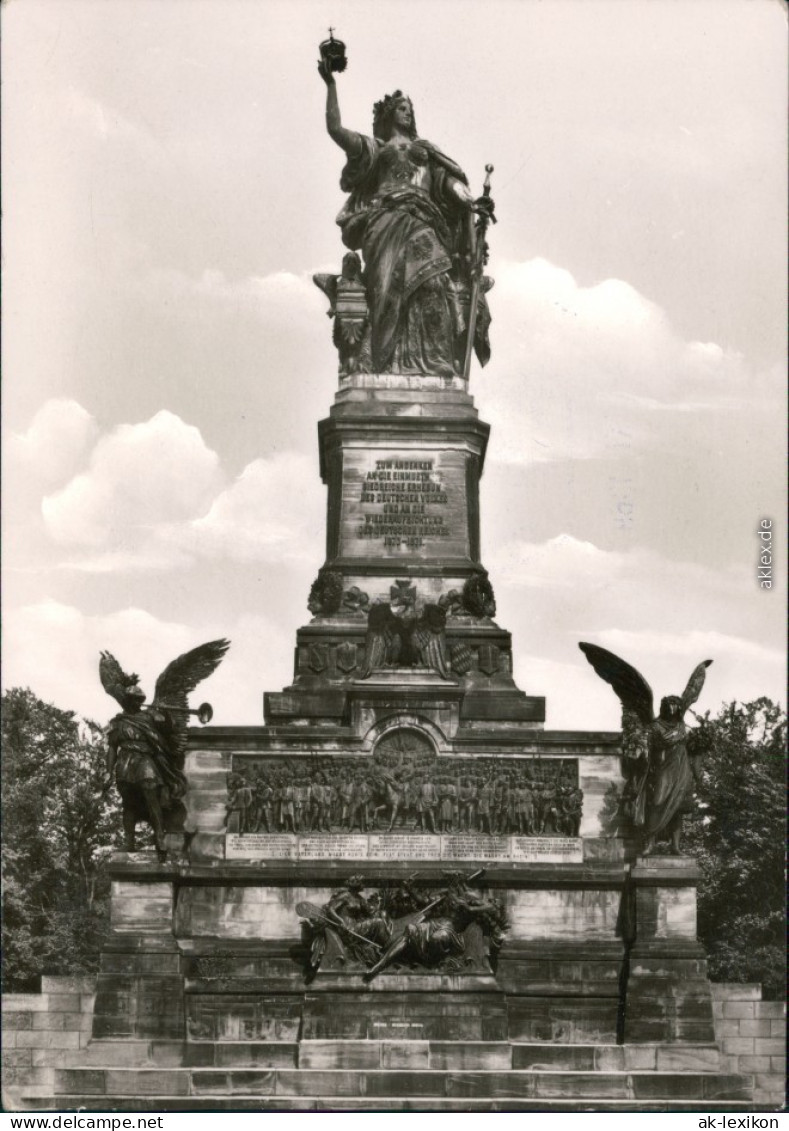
pixel 695 684
pixel 177 680
pixel 430 639
pixel 184 673
pixel 114 679
pixel 306 910
pixel 328 284
pixel 379 639
pixel 634 692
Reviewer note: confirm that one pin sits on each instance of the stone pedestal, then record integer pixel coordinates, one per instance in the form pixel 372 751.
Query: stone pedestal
pixel 389 769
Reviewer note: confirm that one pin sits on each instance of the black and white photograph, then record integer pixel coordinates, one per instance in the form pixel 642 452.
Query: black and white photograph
pixel 394 556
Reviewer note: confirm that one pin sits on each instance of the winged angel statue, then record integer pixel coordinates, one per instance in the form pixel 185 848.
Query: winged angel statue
pixel 659 772
pixel 146 745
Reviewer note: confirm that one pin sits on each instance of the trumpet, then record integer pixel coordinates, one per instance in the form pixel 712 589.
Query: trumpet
pixel 205 712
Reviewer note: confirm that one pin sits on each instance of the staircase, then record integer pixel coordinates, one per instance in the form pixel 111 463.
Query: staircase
pixel 391 1075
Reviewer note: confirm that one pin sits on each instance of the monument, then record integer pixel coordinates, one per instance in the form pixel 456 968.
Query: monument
pixel 401 892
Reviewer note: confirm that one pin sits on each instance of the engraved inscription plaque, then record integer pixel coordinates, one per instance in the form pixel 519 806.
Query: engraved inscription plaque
pixel 261 846
pixel 548 850
pixel 333 847
pixel 405 846
pixel 407 503
pixel 475 848
pixel 396 847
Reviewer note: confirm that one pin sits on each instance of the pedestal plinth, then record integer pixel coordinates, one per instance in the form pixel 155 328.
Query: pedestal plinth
pixel 557 975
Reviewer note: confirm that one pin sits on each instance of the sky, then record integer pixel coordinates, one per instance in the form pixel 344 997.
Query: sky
pixel 169 190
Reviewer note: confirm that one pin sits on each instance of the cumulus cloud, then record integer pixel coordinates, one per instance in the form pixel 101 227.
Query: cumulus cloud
pixel 599 369
pixel 281 297
pixel 154 497
pixel 54 446
pixel 53 648
pixel 270 512
pixel 139 476
pixel 661 616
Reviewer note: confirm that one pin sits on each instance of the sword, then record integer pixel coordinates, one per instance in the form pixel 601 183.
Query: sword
pixel 477 243
pixel 311 912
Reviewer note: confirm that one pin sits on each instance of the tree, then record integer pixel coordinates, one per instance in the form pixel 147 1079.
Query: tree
pixel 738 835
pixel 60 825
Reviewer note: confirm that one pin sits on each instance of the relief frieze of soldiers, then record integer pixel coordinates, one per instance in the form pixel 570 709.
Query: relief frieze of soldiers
pixel 405 788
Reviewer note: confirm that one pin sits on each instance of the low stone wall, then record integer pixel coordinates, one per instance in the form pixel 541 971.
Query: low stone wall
pixel 45 1031
pixel 752 1038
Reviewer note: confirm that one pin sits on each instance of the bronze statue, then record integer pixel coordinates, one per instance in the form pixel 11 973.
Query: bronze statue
pixel 350 926
pixel 659 773
pixel 456 927
pixel 450 929
pixel 411 214
pixel 146 745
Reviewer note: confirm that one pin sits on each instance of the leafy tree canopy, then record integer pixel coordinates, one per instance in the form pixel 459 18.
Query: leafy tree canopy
pixel 60 823
pixel 738 835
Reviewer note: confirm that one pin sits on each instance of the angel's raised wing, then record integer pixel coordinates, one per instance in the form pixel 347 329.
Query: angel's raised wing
pixel 634 692
pixel 695 684
pixel 114 679
pixel 180 677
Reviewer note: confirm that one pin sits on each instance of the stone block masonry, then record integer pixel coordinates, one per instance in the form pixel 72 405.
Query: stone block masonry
pixel 43 1033
pixel 752 1037
pixel 47 1053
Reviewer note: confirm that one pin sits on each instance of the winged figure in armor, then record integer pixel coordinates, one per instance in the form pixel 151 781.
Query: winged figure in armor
pixel 146 746
pixel 659 773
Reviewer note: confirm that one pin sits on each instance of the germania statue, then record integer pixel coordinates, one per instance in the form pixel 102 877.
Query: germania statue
pixel 410 213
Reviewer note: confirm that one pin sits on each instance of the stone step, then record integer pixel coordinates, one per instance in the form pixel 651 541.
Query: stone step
pixel 120 1053
pixel 236 1103
pixel 394 1083
pixel 503 1055
pixel 391 1054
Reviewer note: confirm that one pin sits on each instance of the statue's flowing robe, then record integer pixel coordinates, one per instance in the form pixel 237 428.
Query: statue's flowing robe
pixel 670 778
pixel 408 236
pixel 142 752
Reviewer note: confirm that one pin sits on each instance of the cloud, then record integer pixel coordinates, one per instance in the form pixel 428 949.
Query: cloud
pixel 154 497
pixel 54 446
pixel 661 616
pixel 270 512
pixel 601 370
pixel 53 648
pixel 140 476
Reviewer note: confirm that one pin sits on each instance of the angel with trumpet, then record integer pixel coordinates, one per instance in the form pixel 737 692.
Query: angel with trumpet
pixel 146 746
